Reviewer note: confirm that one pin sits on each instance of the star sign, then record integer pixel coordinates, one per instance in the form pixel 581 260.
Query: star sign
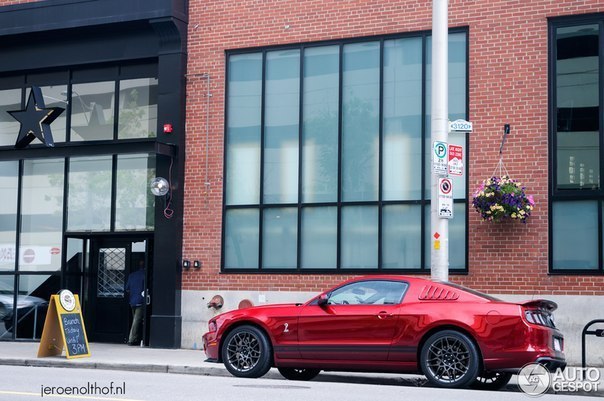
pixel 35 120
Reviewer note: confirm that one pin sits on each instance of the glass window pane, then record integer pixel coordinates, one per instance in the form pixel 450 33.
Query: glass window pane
pixel 41 215
pixel 578 107
pixel 320 124
pixel 32 303
pixel 9 181
pixel 401 236
pixel 138 108
pixel 360 121
pixel 282 110
pixel 7 294
pixel 359 244
pixel 319 237
pixel 89 202
pixel 457 105
pixel 457 238
pixel 280 238
pixel 10 100
pixel 134 203
pixel 402 119
pixel 241 239
pixel 74 268
pixel 575 235
pixel 369 293
pixel 92 107
pixel 55 96
pixel 244 105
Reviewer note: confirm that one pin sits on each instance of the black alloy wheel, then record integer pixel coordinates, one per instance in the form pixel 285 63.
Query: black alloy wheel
pixel 449 359
pixel 247 352
pixel 491 380
pixel 299 373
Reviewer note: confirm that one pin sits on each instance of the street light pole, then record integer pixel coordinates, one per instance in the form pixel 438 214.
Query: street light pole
pixel 439 230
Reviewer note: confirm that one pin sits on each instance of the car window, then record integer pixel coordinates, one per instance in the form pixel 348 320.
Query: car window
pixel 375 292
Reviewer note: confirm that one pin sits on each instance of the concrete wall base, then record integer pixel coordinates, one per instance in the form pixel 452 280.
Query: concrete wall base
pixel 572 315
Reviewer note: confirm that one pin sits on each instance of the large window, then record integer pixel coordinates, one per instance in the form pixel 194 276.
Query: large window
pixel 576 204
pixel 327 156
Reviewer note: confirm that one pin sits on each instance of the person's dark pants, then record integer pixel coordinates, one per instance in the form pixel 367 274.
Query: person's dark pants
pixel 137 323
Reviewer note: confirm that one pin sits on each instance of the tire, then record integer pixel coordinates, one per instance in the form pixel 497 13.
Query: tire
pixel 299 374
pixel 247 352
pixel 491 380
pixel 450 359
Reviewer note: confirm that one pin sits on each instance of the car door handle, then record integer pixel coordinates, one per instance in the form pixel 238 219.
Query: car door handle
pixel 384 315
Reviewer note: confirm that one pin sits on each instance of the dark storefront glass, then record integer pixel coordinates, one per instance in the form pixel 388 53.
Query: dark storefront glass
pixel 7 300
pixel 92 115
pixel 138 108
pixel 134 203
pixel 9 181
pixel 89 201
pixel 41 215
pixel 32 303
pixel 10 100
pixel 576 203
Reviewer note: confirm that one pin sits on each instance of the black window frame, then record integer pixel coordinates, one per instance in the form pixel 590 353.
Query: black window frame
pixel 380 203
pixel 555 194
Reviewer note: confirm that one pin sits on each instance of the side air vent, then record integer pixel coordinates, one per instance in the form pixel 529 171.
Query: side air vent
pixel 438 293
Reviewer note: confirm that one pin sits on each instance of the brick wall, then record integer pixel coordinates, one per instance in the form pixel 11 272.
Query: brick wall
pixel 507 83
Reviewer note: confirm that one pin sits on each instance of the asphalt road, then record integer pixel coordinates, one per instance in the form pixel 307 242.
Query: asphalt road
pixel 31 383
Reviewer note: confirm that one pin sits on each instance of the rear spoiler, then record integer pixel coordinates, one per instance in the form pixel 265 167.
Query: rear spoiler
pixel 545 304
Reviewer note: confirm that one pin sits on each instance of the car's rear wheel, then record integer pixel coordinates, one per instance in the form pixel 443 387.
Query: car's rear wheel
pixel 246 352
pixel 491 380
pixel 299 373
pixel 449 359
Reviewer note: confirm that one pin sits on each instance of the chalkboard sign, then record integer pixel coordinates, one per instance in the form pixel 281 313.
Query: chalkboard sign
pixel 73 330
pixel 64 328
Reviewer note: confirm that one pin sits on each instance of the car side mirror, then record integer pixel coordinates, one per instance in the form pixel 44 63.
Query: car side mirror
pixel 323 300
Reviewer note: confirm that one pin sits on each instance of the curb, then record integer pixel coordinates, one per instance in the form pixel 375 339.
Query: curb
pixel 132 367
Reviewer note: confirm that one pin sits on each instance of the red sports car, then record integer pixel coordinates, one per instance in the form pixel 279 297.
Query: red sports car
pixel 453 335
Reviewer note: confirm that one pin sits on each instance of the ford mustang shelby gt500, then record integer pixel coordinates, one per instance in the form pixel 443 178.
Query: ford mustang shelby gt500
pixel 453 335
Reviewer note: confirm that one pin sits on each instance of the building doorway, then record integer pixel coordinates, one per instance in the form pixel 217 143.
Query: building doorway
pixel 104 265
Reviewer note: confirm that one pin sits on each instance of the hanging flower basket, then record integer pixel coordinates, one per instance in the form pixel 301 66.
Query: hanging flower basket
pixel 498 199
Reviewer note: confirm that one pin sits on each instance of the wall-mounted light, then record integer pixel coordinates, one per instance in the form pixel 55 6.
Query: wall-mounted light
pixel 186 264
pixel 159 186
pixel 196 264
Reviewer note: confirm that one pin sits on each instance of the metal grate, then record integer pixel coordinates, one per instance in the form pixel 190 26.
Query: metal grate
pixel 112 267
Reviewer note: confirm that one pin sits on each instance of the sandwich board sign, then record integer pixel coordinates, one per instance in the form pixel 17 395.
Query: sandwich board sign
pixel 64 328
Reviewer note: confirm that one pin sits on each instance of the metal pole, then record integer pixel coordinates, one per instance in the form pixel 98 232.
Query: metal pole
pixel 439 230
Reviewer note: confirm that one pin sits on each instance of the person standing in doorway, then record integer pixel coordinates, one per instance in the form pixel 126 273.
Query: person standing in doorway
pixel 135 287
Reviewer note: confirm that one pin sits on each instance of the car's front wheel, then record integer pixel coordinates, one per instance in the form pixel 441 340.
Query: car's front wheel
pixel 491 380
pixel 299 373
pixel 246 352
pixel 449 359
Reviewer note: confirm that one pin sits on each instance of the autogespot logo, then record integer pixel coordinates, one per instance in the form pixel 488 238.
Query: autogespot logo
pixel 534 379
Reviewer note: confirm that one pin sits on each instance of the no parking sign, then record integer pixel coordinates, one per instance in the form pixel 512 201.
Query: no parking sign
pixel 445 198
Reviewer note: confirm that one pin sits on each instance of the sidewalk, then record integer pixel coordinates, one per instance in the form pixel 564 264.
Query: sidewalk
pixel 182 361
pixel 116 357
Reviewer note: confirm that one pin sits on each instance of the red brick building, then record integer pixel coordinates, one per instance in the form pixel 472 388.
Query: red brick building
pixel 509 81
pixel 305 156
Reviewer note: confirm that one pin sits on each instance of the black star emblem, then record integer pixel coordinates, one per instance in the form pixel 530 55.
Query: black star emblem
pixel 35 120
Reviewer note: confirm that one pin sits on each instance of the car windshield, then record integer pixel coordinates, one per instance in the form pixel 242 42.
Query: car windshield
pixel 474 292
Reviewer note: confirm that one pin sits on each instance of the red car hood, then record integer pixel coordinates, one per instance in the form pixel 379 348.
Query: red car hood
pixel 545 304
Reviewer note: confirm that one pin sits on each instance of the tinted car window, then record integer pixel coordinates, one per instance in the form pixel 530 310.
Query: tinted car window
pixel 377 292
